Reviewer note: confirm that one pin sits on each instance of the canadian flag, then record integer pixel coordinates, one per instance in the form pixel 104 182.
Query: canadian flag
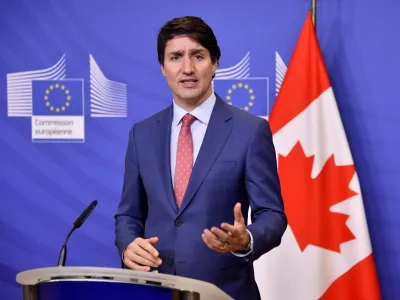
pixel 326 250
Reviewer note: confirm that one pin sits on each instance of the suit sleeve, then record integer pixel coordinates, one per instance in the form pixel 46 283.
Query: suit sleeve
pixel 132 209
pixel 268 220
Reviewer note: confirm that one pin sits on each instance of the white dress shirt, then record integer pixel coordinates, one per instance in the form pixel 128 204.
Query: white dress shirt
pixel 198 128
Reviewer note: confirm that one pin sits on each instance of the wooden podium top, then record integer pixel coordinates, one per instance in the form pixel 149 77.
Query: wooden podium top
pixel 205 289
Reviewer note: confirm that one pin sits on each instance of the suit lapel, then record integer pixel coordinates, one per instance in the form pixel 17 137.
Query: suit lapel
pixel 162 137
pixel 217 132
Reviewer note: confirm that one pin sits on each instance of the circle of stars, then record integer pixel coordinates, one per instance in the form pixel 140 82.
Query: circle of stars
pixel 68 97
pixel 240 86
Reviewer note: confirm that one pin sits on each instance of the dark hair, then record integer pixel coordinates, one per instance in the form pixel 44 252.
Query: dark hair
pixel 193 27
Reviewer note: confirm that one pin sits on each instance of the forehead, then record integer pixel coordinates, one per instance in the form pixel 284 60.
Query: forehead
pixel 182 44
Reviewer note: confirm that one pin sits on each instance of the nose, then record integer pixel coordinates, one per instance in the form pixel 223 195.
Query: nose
pixel 187 67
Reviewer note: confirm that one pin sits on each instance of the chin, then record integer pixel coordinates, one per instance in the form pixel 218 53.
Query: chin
pixel 191 95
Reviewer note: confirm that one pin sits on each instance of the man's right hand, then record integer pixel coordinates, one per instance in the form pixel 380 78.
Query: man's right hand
pixel 141 255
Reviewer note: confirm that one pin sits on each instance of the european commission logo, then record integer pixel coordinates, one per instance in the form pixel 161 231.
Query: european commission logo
pixel 55 103
pixel 251 94
pixel 57 110
pixel 237 88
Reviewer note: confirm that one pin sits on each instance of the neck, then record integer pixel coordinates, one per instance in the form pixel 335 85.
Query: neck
pixel 190 104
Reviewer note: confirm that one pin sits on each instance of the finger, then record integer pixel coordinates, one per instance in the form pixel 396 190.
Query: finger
pixel 142 260
pixel 222 235
pixel 233 231
pixel 234 242
pixel 134 266
pixel 237 211
pixel 205 239
pixel 142 252
pixel 149 256
pixel 210 245
pixel 153 240
pixel 213 240
pixel 148 246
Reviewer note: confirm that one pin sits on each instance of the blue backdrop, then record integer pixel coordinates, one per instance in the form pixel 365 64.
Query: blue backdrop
pixel 107 49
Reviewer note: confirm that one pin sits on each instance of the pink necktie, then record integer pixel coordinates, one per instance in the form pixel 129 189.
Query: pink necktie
pixel 184 158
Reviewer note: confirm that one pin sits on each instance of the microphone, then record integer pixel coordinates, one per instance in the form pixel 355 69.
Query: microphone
pixel 77 224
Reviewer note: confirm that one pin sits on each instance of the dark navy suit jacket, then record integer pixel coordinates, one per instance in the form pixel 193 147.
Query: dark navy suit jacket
pixel 236 163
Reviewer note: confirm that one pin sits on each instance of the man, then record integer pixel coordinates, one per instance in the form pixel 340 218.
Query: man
pixel 193 170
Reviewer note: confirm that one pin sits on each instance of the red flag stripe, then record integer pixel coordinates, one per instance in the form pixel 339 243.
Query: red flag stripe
pixel 306 79
pixel 357 283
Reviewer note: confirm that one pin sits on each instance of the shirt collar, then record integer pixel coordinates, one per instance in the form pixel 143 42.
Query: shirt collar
pixel 202 112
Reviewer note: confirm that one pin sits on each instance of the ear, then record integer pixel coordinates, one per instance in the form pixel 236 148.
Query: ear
pixel 214 66
pixel 162 70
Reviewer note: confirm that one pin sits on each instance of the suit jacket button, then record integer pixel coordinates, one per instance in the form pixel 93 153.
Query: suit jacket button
pixel 178 222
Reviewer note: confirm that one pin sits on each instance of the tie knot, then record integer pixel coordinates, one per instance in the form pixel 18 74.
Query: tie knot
pixel 187 120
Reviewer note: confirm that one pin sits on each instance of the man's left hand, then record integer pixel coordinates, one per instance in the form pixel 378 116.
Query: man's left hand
pixel 234 238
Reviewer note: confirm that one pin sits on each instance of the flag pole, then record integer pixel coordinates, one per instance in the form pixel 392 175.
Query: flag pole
pixel 314 11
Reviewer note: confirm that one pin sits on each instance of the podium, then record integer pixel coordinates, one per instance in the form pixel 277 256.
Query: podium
pixel 78 283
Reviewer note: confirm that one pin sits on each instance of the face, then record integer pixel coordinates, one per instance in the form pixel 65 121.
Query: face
pixel 188 69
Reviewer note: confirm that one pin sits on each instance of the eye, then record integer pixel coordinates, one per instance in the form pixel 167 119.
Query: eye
pixel 198 57
pixel 175 57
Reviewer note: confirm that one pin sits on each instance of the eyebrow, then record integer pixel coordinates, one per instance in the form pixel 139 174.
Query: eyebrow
pixel 191 51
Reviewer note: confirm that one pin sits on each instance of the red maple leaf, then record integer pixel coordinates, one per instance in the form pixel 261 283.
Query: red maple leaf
pixel 308 200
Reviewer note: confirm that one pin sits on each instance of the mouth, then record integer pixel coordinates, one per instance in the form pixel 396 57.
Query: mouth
pixel 188 83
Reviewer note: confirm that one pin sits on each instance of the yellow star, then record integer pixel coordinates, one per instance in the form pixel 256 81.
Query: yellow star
pixel 246 86
pixel 51 107
pixel 63 87
pixel 57 85
pixel 250 91
pixel 229 91
pixel 52 87
pixel 240 84
pixel 228 97
pixel 234 86
pixel 251 103
pixel 67 92
pixel 57 109
pixel 252 97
